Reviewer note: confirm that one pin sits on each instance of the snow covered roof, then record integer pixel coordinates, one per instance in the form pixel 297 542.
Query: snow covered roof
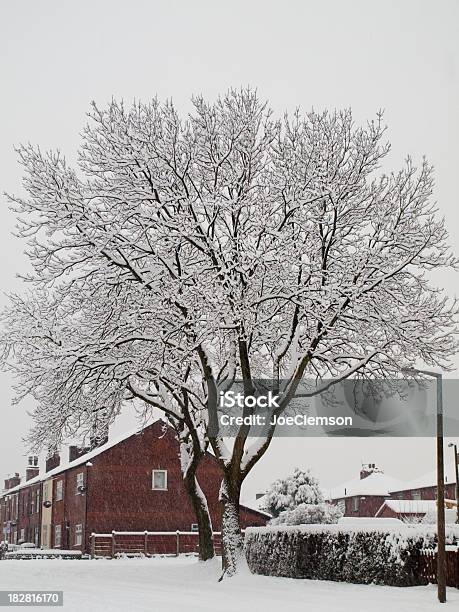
pixel 376 483
pixel 412 506
pixel 76 462
pixel 254 503
pixel 430 478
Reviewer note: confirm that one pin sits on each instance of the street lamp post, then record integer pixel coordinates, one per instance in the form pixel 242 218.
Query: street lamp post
pixel 441 553
pixel 456 465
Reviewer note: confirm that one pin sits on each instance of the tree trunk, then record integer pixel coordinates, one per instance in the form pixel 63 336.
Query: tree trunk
pixel 232 540
pixel 206 543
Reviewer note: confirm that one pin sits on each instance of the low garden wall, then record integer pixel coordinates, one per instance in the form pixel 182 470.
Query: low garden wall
pixel 380 555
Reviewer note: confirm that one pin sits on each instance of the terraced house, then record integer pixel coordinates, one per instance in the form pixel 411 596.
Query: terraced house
pixel 129 484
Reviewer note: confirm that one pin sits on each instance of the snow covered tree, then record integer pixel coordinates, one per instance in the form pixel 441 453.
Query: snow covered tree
pixel 287 493
pixel 306 514
pixel 255 247
pixel 298 500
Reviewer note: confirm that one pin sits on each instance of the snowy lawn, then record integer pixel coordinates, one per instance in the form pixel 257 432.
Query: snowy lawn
pixel 183 584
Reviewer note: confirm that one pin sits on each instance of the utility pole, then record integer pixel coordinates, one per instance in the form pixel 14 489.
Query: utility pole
pixel 441 552
pixel 456 465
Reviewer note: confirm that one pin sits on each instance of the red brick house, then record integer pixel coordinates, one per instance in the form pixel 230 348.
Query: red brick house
pixel 129 484
pixel 412 510
pixel 425 487
pixel 365 496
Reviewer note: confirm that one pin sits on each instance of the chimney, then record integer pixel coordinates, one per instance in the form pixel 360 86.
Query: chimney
pixel 368 469
pixel 99 434
pixel 75 452
pixel 53 461
pixel 12 481
pixel 95 441
pixel 32 469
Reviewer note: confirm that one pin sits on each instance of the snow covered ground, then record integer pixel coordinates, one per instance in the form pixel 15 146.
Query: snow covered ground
pixel 183 584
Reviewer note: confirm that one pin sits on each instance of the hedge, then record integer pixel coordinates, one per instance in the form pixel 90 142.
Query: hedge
pixel 364 555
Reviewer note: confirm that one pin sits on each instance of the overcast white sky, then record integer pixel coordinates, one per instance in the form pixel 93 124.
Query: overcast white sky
pixel 55 57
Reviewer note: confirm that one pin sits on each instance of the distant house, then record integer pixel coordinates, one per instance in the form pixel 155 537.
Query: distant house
pixel 411 510
pixel 365 496
pixel 425 487
pixel 132 483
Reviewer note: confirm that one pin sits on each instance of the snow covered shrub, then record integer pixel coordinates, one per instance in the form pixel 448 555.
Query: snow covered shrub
pixel 305 514
pixel 385 555
pixel 288 493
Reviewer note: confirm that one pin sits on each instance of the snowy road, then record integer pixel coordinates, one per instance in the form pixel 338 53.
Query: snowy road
pixel 183 584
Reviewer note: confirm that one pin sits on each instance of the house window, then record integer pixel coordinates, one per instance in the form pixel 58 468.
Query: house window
pixel 416 494
pixel 57 536
pixel 78 534
pixel 79 483
pixel 59 490
pixel 22 536
pixel 37 500
pixel 31 503
pixel 159 480
pixel 355 504
pixel 194 527
pixel 36 536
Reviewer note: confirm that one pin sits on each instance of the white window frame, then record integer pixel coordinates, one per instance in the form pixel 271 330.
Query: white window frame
pixel 194 527
pixel 59 490
pixel 153 480
pixel 57 536
pixel 79 482
pixel 78 534
pixel 355 504
pixel 416 495
pixel 37 501
pixel 22 534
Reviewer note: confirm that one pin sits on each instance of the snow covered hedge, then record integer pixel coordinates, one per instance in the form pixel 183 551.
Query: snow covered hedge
pixel 380 555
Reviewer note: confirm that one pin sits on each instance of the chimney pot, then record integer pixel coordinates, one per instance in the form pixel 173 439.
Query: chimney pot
pixel 53 461
pixel 75 452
